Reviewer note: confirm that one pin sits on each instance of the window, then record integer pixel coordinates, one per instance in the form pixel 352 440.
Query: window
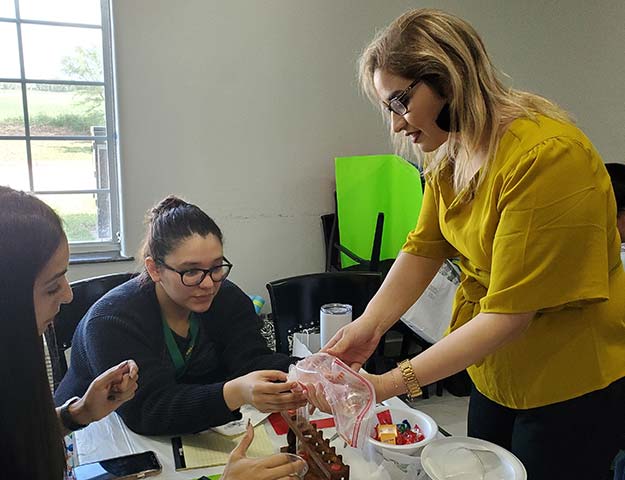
pixel 57 127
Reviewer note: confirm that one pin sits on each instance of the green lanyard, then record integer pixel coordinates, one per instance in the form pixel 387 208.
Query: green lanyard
pixel 180 361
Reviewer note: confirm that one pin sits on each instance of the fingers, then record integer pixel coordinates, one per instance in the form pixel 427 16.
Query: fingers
pixel 122 386
pixel 241 449
pixel 272 388
pixel 127 367
pixel 285 470
pixel 311 398
pixel 276 460
pixel 123 390
pixel 133 370
pixel 329 347
pixel 356 366
pixel 316 396
pixel 340 349
pixel 272 383
pixel 280 466
pixel 280 397
pixel 113 374
pixel 270 406
pixel 116 374
pixel 268 391
pixel 275 388
pixel 273 375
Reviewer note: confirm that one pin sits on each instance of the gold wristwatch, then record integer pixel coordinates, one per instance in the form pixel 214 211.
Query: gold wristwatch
pixel 410 379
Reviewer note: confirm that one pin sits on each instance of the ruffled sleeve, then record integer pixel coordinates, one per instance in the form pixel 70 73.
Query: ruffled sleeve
pixel 426 239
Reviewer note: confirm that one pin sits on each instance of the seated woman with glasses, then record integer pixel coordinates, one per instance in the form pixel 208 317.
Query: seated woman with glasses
pixel 194 334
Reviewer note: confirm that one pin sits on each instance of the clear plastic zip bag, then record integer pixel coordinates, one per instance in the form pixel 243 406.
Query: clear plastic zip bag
pixel 350 396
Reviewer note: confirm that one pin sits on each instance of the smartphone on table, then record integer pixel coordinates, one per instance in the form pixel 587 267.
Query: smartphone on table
pixel 137 465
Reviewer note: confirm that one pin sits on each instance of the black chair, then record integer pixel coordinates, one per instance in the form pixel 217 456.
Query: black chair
pixel 334 248
pixel 59 336
pixel 296 301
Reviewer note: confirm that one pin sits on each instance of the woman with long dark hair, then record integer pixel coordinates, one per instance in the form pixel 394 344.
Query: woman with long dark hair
pixel 33 261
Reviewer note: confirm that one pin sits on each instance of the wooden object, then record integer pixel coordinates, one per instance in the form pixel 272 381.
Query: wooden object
pixel 323 462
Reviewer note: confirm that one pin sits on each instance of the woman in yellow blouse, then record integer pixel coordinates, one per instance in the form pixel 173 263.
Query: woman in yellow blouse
pixel 521 197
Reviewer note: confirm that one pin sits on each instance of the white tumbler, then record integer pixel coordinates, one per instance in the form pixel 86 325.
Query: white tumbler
pixel 333 317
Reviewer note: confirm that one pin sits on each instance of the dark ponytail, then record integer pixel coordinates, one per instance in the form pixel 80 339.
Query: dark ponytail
pixel 170 222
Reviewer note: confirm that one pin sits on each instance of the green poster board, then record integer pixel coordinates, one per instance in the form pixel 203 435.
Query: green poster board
pixel 366 185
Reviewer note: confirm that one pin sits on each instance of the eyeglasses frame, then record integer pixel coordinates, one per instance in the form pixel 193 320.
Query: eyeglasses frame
pixel 399 100
pixel 205 271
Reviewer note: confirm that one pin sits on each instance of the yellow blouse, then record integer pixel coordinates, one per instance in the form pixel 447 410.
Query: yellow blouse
pixel 539 235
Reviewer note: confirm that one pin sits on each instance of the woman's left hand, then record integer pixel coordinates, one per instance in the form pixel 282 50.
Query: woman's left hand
pixel 106 393
pixel 275 467
pixel 316 398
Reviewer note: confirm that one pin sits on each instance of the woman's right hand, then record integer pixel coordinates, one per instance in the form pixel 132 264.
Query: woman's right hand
pixel 275 467
pixel 266 390
pixel 355 343
pixel 106 393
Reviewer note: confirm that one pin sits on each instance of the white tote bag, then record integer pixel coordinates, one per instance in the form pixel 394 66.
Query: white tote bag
pixel 430 315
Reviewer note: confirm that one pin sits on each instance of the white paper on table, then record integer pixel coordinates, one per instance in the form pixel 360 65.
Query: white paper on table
pixel 106 438
pixel 237 427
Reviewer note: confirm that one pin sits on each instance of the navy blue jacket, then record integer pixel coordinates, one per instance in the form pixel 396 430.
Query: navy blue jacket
pixel 126 324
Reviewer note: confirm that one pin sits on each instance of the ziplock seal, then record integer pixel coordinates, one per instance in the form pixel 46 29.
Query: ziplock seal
pixel 367 384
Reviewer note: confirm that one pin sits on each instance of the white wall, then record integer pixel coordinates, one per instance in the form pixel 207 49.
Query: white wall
pixel 241 106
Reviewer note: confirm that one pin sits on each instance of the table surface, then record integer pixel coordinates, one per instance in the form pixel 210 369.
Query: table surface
pixel 110 438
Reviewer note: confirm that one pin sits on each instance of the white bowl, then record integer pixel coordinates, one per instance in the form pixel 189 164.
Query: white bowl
pixel 465 457
pixel 426 424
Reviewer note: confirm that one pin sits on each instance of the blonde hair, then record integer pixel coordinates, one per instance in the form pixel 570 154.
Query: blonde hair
pixel 448 55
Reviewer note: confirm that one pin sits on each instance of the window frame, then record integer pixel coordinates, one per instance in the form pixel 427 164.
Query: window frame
pixel 81 252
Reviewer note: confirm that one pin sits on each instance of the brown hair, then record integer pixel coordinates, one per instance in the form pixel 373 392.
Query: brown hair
pixel 448 54
pixel 171 221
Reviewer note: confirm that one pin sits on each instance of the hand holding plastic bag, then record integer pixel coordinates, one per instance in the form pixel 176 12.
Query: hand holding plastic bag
pixel 351 396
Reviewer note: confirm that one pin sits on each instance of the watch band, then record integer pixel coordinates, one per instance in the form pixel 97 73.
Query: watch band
pixel 66 417
pixel 410 379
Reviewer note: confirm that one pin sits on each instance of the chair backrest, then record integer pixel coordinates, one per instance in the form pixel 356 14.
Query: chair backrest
pixel 86 293
pixel 369 185
pixel 296 301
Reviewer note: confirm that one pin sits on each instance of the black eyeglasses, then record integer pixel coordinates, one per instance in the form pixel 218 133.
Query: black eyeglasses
pixel 194 276
pixel 399 103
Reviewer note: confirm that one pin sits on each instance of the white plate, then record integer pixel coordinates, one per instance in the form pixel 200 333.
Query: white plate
pixel 466 458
